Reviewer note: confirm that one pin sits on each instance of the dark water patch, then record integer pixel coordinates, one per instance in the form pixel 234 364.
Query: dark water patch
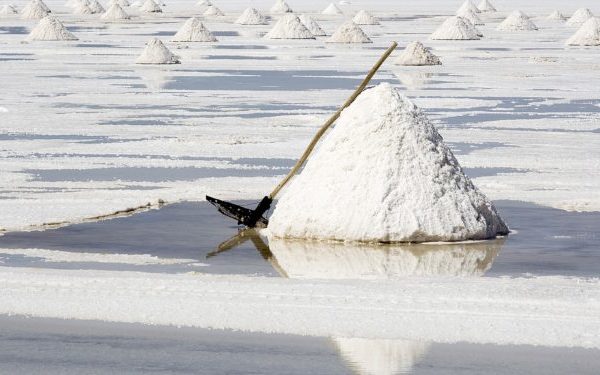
pixel 20 30
pixel 485 172
pixel 226 33
pixel 98 45
pixel 465 148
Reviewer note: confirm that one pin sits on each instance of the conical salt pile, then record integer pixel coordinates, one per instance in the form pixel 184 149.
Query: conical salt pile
pixel 471 16
pixel 468 5
pixel 50 28
pixel 556 15
pixel 252 16
pixel 150 6
pixel 455 28
pixel 289 26
pixel 311 25
pixel 579 17
pixel 122 3
pixel 156 53
pixel 82 8
pixel 517 21
pixel 587 35
pixel 213 11
pixel 384 174
pixel 115 12
pixel 475 29
pixel 34 10
pixel 349 32
pixel 193 30
pixel 365 18
pixel 44 6
pixel 8 10
pixel 280 7
pixel 96 7
pixel 486 7
pixel 416 54
pixel 332 10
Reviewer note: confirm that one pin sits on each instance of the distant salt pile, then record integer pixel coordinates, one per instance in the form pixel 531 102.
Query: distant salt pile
pixel 96 7
pixel 416 54
pixel 579 17
pixel 471 16
pixel 150 6
pixel 206 3
pixel 557 16
pixel 156 53
pixel 251 16
pixel 289 26
pixel 50 28
pixel 82 8
pixel 349 32
pixel 456 28
pixel 384 174
pixel 517 21
pixel 587 35
pixel 115 12
pixel 468 5
pixel 34 10
pixel 8 10
pixel 122 3
pixel 280 7
pixel 213 11
pixel 312 25
pixel 193 30
pixel 365 18
pixel 332 10
pixel 486 7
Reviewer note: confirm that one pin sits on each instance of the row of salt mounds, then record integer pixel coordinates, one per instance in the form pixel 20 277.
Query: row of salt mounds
pixel 213 11
pixel 470 15
pixel 384 174
pixel 468 5
pixel 252 16
pixel 289 26
pixel 349 32
pixel 150 6
pixel 416 54
pixel 280 7
pixel 50 28
pixel 193 30
pixel 365 18
pixel 456 28
pixel 8 10
pixel 517 21
pixel 312 25
pixel 34 10
pixel 486 7
pixel 587 35
pixel 579 17
pixel 115 12
pixel 156 53
pixel 332 10
pixel 556 16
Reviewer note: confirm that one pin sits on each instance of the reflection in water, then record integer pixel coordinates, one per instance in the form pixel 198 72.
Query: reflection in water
pixel 155 79
pixel 413 79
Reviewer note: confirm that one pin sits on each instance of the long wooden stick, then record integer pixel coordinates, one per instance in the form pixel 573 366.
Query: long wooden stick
pixel 331 120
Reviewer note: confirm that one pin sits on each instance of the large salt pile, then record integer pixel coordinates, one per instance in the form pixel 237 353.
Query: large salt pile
pixel 416 54
pixel 311 25
pixel 468 5
pixel 556 15
pixel 384 174
pixel 96 7
pixel 587 35
pixel 349 32
pixel 115 12
pixel 486 7
pixel 332 10
pixel 579 17
pixel 213 11
pixel 150 6
pixel 156 53
pixel 365 18
pixel 8 10
pixel 289 26
pixel 470 15
pixel 50 28
pixel 252 16
pixel 456 28
pixel 517 21
pixel 193 30
pixel 280 7
pixel 34 10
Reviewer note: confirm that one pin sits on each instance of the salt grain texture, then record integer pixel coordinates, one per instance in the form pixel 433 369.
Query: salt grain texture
pixel 365 18
pixel 150 6
pixel 8 10
pixel 486 6
pixel 517 21
pixel 280 7
pixel 470 15
pixel 193 30
pixel 349 32
pixel 251 16
pixel 384 174
pixel 213 11
pixel 416 54
pixel 312 25
pixel 115 12
pixel 50 28
pixel 579 17
pixel 556 15
pixel 332 10
pixel 33 11
pixel 156 53
pixel 468 5
pixel 456 28
pixel 587 35
pixel 289 26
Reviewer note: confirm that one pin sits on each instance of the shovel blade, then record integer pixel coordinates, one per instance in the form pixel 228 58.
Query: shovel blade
pixel 243 215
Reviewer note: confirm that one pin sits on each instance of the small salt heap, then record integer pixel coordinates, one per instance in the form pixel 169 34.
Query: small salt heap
pixel 311 25
pixel 486 7
pixel 416 54
pixel 34 10
pixel 456 28
pixel 280 7
pixel 332 10
pixel 468 5
pixel 82 8
pixel 587 35
pixel 579 17
pixel 349 32
pixel 384 174
pixel 557 16
pixel 252 16
pixel 365 18
pixel 517 21
pixel 193 30
pixel 8 10
pixel 150 6
pixel 156 53
pixel 50 28
pixel 289 26
pixel 213 11
pixel 115 12
pixel 470 15
pixel 96 7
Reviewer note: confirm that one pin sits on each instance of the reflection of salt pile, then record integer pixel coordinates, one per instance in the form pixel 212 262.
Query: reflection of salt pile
pixel 289 26
pixel 556 15
pixel 365 18
pixel 413 79
pixel 349 32
pixel 468 5
pixel 456 28
pixel 280 7
pixel 311 25
pixel 332 10
pixel 50 28
pixel 517 21
pixel 115 12
pixel 579 17
pixel 384 174
pixel 587 35
pixel 34 10
pixel 213 11
pixel 193 30
pixel 251 16
pixel 486 7
pixel 156 53
pixel 471 16
pixel 416 54
pixel 150 6
pixel 8 10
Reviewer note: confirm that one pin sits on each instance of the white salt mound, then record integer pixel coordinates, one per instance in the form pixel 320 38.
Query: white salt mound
pixel 44 6
pixel 156 53
pixel 579 17
pixel 365 18
pixel 213 11
pixel 486 7
pixel 252 16
pixel 384 174
pixel 556 15
pixel 456 28
pixel 587 35
pixel 349 32
pixel 311 25
pixel 517 21
pixel 468 5
pixel 122 3
pixel 150 6
pixel 50 28
pixel 280 7
pixel 193 30
pixel 33 11
pixel 289 26
pixel 332 10
pixel 416 54
pixel 471 16
pixel 82 8
pixel 96 7
pixel 8 10
pixel 115 12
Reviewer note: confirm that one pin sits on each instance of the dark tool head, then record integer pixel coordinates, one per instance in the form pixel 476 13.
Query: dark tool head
pixel 250 218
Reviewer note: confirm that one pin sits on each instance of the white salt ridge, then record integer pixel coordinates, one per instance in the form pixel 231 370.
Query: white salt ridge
pixel 416 54
pixel 213 11
pixel 150 6
pixel 468 5
pixel 96 7
pixel 289 26
pixel 33 11
pixel 50 28
pixel 456 28
pixel 587 35
pixel 579 17
pixel 349 32
pixel 486 6
pixel 365 18
pixel 312 25
pixel 556 15
pixel 384 174
pixel 251 16
pixel 471 16
pixel 115 12
pixel 157 53
pixel 193 30
pixel 517 21
pixel 332 10
pixel 8 10
pixel 280 7
pixel 82 8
